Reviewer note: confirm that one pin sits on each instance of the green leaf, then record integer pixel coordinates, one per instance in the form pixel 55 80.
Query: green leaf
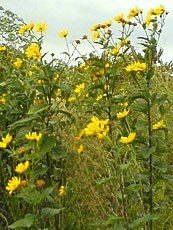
pixel 26 222
pixel 47 143
pixel 21 122
pixel 141 124
pixel 45 194
pixel 143 219
pixel 49 212
pixel 140 106
pixel 37 109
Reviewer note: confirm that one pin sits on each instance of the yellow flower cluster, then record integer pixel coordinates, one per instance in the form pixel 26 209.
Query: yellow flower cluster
pixel 129 139
pixel 96 127
pixel 96 35
pixel 98 73
pixel 3 98
pixel 154 12
pixel 136 66
pixel 33 52
pixel 22 167
pixel 5 141
pixel 79 89
pixel 63 34
pixel 159 125
pixel 18 63
pixel 120 19
pixel 33 136
pixel 26 28
pixel 123 114
pixel 115 51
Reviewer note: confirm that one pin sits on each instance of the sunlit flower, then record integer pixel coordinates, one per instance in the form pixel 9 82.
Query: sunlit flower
pixel 41 27
pixel 18 63
pixel 115 50
pixel 3 48
pixel 120 19
pixel 134 12
pixel 33 136
pixel 95 27
pixel 159 10
pixel 61 191
pixel 79 89
pixel 40 183
pixel 106 24
pixel 96 127
pixel 71 99
pixel 96 35
pixel 80 135
pixel 124 42
pixel 63 34
pixel 58 93
pixel 26 27
pixel 123 114
pixel 159 125
pixel 129 139
pixel 80 149
pixel 99 97
pixel 3 99
pixel 13 184
pixel 136 66
pixel 22 167
pixel 97 74
pixel 33 52
pixel 30 73
pixel 7 139
pixel 148 20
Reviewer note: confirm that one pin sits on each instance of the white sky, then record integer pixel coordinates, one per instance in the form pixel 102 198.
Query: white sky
pixel 79 15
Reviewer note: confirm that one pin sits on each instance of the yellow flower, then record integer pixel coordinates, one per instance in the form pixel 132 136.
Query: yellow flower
pixel 3 48
pixel 124 42
pixel 41 27
pixel 123 114
pixel 79 135
pixel 148 19
pixel 26 27
pixel 136 66
pixel 159 10
pixel 98 73
pixel 20 150
pixel 129 139
pixel 115 50
pixel 33 52
pixel 106 24
pixel 79 89
pixel 95 27
pixel 134 12
pixel 61 191
pixel 96 35
pixel 80 149
pixel 71 99
pixel 22 167
pixel 30 73
pixel 58 93
pixel 13 184
pixel 96 127
pixel 99 97
pixel 2 145
pixel 18 63
pixel 23 184
pixel 120 19
pixel 40 183
pixel 3 99
pixel 159 125
pixel 6 140
pixel 33 136
pixel 63 34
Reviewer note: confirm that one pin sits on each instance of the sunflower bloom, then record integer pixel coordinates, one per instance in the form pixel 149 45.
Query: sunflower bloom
pixel 40 183
pixel 33 136
pixel 79 89
pixel 129 139
pixel 13 184
pixel 136 66
pixel 41 27
pixel 123 114
pixel 159 125
pixel 22 167
pixel 134 12
pixel 18 63
pixel 63 34
pixel 33 52
pixel 96 127
pixel 5 141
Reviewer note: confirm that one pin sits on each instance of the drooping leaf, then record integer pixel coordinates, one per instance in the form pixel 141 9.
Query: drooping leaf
pixel 26 222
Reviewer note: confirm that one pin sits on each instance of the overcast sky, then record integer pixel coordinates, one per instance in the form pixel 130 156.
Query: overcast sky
pixel 79 15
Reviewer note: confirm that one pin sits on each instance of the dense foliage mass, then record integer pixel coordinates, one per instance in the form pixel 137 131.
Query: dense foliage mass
pixel 88 145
